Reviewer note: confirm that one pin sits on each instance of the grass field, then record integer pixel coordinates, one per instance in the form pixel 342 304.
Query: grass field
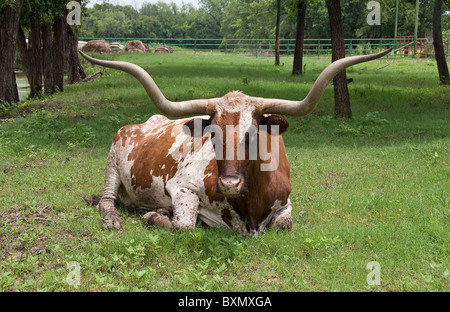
pixel 374 188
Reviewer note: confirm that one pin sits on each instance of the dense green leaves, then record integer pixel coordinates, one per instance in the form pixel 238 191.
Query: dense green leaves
pixel 251 19
pixel 159 20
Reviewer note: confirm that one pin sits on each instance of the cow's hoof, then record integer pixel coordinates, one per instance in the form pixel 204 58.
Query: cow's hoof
pixel 157 219
pixel 112 220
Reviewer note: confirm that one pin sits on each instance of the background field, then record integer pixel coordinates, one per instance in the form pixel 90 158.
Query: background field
pixel 374 188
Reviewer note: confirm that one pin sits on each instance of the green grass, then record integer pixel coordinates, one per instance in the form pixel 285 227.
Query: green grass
pixel 374 188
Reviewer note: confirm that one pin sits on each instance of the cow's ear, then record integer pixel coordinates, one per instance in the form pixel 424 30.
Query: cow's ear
pixel 201 123
pixel 271 121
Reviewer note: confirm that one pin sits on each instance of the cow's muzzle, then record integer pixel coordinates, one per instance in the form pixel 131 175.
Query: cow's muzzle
pixel 232 186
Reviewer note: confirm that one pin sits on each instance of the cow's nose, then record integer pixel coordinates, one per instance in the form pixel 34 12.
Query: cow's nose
pixel 230 181
pixel 231 185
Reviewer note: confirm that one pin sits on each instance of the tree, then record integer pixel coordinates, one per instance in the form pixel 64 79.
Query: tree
pixel 31 53
pixel 277 34
pixel 75 71
pixel 341 97
pixel 261 19
pixel 439 52
pixel 9 25
pixel 299 38
pixel 59 43
pixel 47 49
pixel 53 33
pixel 202 25
pixel 247 19
pixel 215 10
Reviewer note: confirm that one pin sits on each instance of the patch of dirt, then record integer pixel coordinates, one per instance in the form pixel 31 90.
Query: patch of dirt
pixel 17 238
pixel 35 164
pixel 12 213
pixel 15 213
pixel 335 175
pixel 9 168
pixel 332 183
pixel 34 106
pixel 92 200
pixel 328 184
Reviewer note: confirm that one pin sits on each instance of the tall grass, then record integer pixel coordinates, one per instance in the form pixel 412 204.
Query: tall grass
pixel 374 188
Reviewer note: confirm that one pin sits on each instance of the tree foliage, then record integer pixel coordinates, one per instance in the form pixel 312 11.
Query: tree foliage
pixel 160 20
pixel 241 19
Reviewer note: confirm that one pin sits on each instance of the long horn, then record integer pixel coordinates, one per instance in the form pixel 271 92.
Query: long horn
pixel 306 106
pixel 173 109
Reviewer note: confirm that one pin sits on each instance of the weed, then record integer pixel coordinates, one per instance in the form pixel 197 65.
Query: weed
pixel 367 125
pixel 323 242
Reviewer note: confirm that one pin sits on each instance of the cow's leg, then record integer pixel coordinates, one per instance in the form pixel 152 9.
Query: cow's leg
pixel 111 216
pixel 282 219
pixel 185 208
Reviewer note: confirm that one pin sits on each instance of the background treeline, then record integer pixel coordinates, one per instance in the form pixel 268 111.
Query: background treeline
pixel 241 19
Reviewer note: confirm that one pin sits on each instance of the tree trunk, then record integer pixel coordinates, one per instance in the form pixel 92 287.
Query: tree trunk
pixel 24 53
pixel 29 55
pixel 59 38
pixel 9 24
pixel 75 70
pixel 47 45
pixel 299 38
pixel 439 52
pixel 341 97
pixel 277 34
pixel 36 56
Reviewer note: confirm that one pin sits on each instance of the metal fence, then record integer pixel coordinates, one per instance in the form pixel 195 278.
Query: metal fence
pixel 406 46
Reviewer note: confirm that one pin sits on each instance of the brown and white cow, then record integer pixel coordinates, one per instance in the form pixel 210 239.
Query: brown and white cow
pixel 185 169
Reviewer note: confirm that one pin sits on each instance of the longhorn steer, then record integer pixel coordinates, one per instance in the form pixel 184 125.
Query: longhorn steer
pixel 207 167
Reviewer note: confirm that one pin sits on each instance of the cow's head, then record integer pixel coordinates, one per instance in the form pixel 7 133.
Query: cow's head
pixel 250 118
pixel 241 134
